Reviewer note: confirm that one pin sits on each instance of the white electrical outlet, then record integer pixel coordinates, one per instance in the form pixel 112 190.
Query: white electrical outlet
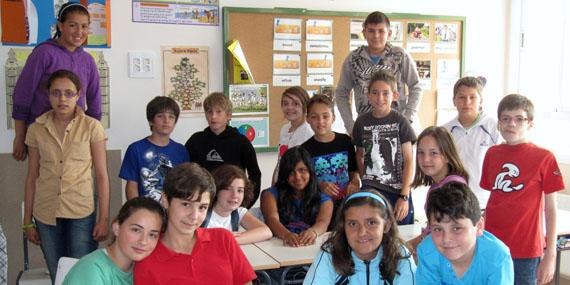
pixel 142 64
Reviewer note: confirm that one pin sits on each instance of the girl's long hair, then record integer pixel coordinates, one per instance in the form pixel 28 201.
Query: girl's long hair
pixel 448 149
pixel 311 200
pixel 392 245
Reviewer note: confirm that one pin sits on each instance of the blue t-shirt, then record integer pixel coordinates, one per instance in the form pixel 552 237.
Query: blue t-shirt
pixel 296 223
pixel 322 270
pixel 491 264
pixel 147 164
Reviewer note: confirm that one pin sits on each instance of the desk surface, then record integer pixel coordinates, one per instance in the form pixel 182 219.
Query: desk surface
pixel 288 256
pixel 258 259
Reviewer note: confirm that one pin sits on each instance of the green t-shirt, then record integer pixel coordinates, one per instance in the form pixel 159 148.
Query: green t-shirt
pixel 97 268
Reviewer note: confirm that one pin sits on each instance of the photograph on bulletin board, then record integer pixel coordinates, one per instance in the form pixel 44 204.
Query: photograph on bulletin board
pixel 418 37
pixel 445 38
pixel 185 77
pixel 424 72
pixel 248 99
pixel 255 129
pixel 31 22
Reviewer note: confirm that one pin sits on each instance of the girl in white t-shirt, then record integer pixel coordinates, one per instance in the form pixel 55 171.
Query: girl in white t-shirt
pixel 296 131
pixel 232 188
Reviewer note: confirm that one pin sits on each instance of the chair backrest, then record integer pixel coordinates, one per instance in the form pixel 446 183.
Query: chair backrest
pixel 63 267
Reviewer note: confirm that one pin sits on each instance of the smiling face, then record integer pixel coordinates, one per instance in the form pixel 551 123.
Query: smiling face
pixel 513 125
pixel 231 197
pixel 364 229
pixel 321 118
pixel 376 36
pixel 431 159
pixel 137 236
pixel 380 95
pixel 186 215
pixel 455 239
pixel 63 96
pixel 468 102
pixel 163 123
pixel 292 109
pixel 299 178
pixel 217 119
pixel 74 30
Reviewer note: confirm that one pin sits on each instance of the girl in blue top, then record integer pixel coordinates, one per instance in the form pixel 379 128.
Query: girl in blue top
pixel 294 209
pixel 365 247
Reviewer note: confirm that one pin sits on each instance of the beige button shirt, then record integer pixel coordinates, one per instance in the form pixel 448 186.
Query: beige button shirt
pixel 64 188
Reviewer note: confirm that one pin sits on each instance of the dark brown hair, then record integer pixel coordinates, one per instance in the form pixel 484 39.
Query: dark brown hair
pixel 67 9
pixel 321 99
pixel 454 200
pixel 376 17
pixel 514 102
pixel 141 203
pixel 299 93
pixel 161 104
pixel 386 77
pixel 187 179
pixel 64 73
pixel 225 174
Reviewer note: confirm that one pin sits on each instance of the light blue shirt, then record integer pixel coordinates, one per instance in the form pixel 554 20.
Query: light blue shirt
pixel 492 264
pixel 322 270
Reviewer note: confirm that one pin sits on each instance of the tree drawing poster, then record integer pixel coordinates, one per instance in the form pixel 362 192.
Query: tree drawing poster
pixel 185 77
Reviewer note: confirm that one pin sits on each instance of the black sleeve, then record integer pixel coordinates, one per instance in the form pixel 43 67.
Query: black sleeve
pixel 250 165
pixel 351 155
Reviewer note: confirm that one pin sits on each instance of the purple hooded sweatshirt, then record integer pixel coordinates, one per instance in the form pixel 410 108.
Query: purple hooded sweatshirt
pixel 30 98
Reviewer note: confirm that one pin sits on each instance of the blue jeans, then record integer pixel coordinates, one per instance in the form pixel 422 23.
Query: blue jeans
pixel 525 270
pixel 393 198
pixel 69 237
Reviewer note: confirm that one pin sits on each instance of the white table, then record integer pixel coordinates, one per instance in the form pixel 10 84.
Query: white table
pixel 258 259
pixel 290 256
pixel 408 232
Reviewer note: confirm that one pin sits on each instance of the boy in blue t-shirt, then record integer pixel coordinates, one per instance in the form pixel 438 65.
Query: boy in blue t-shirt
pixel 147 161
pixel 459 250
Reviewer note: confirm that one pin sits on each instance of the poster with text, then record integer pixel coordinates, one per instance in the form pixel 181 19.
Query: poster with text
pixel 255 129
pixel 418 37
pixel 286 64
pixel 185 77
pixel 181 12
pixel 248 99
pixel 284 28
pixel 446 38
pixel 319 30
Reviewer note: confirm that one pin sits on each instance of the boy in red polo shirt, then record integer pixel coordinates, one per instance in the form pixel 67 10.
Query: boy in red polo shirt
pixel 186 253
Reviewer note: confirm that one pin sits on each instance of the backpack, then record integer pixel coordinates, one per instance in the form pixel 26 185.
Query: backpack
pixel 234 220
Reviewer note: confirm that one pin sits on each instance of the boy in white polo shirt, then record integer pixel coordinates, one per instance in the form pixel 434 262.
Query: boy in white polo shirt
pixel 473 131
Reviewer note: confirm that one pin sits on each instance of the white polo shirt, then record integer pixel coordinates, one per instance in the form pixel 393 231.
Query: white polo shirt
pixel 472 144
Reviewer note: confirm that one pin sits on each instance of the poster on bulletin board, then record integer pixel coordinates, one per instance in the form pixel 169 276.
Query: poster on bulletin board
pixel 29 22
pixel 255 129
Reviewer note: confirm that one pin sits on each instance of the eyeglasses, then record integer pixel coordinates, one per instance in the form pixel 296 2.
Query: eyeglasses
pixel 67 93
pixel 519 120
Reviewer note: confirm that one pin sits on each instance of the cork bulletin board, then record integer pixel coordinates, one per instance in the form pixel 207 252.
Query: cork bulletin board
pixel 421 35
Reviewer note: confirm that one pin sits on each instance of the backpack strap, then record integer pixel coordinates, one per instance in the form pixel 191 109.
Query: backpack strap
pixel 343 280
pixel 235 220
pixel 207 219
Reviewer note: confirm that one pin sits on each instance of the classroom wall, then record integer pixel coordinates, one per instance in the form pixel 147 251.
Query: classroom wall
pixel 485 54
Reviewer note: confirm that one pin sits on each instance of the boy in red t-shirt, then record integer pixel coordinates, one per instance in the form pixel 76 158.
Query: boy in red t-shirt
pixel 523 179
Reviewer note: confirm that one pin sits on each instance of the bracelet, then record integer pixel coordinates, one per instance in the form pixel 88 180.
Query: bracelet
pixel 28 226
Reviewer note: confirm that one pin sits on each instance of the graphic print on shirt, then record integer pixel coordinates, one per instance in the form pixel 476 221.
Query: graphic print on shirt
pixel 503 180
pixel 213 155
pixel 152 178
pixel 363 70
pixel 383 155
pixel 333 167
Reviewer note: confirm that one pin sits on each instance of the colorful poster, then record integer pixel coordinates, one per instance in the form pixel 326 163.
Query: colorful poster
pixel 29 22
pixel 320 63
pixel 286 64
pixel 248 99
pixel 289 29
pixel 185 77
pixel 255 129
pixel 446 38
pixel 418 37
pixel 242 72
pixel 319 30
pixel 181 12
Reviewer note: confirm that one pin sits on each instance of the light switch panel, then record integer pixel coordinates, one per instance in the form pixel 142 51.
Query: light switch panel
pixel 142 64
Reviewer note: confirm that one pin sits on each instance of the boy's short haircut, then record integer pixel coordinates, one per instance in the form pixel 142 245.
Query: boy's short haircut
pixel 376 17
pixel 471 82
pixel 218 99
pixel 321 99
pixel 454 200
pixel 298 92
pixel 64 73
pixel 514 102
pixel 187 179
pixel 160 104
pixel 386 77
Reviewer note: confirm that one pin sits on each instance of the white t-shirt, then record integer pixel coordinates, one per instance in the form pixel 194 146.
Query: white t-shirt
pixel 472 144
pixel 290 139
pixel 217 221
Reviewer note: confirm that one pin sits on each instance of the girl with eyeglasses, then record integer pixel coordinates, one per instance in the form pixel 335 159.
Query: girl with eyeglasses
pixel 64 51
pixel 64 144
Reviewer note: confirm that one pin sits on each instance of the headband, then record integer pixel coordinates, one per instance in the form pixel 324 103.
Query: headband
pixel 71 4
pixel 369 195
